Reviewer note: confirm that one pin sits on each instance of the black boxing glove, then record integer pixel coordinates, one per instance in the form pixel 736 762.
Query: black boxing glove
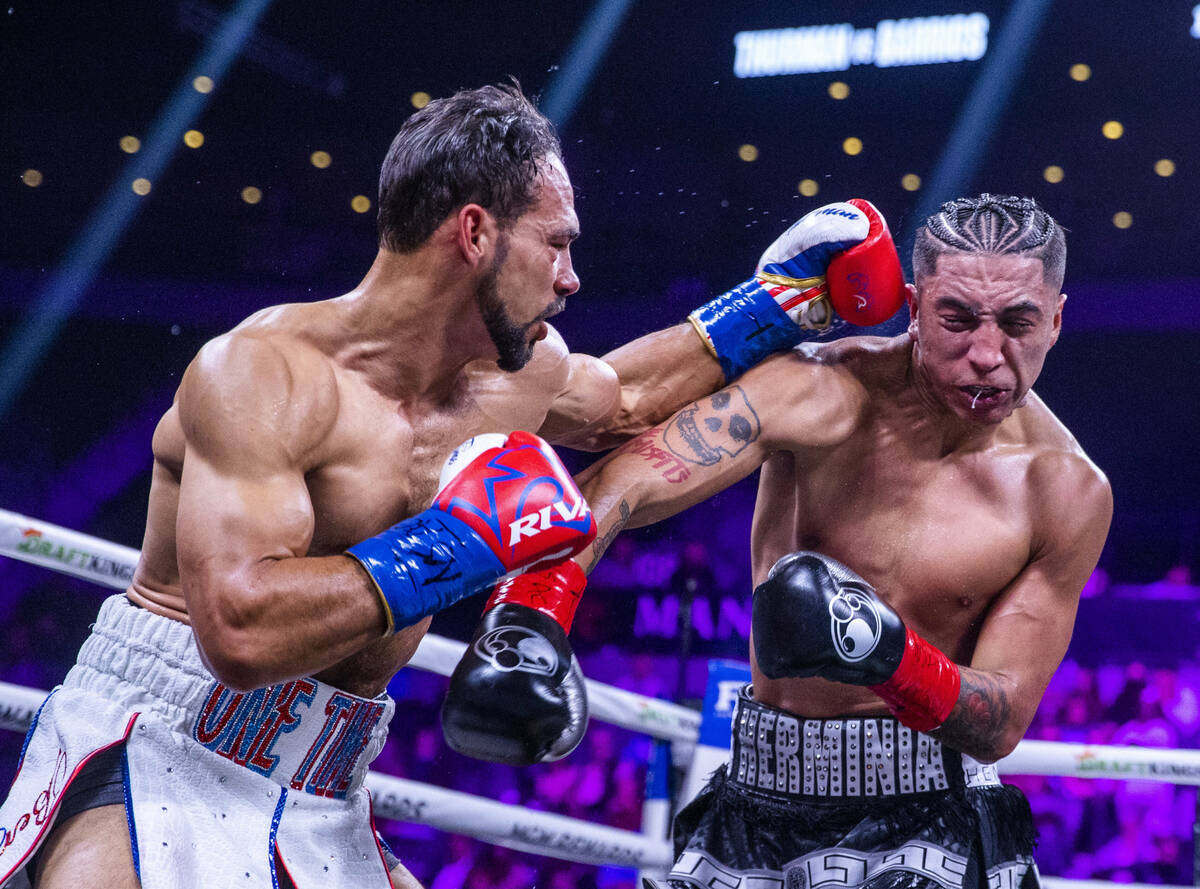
pixel 517 695
pixel 813 616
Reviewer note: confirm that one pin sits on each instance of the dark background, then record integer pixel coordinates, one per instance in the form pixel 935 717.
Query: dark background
pixel 670 215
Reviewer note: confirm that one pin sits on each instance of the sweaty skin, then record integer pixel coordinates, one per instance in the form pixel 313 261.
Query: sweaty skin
pixel 310 427
pixel 313 426
pixel 978 524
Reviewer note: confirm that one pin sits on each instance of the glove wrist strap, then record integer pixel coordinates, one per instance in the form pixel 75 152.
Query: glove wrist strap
pixel 924 689
pixel 424 564
pixel 554 591
pixel 744 326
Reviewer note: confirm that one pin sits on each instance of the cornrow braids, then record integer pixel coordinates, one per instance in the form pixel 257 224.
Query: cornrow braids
pixel 995 224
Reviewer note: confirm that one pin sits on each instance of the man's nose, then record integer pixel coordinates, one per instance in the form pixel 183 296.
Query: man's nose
pixel 987 348
pixel 566 281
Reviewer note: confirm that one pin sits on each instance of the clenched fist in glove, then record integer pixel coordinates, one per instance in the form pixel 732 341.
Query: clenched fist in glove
pixel 506 504
pixel 813 616
pixel 517 696
pixel 834 266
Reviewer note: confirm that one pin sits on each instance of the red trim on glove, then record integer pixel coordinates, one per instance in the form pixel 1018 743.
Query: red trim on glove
pixel 924 689
pixel 554 591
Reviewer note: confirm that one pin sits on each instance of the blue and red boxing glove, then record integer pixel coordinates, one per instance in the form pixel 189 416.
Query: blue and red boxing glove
pixel 835 266
pixel 813 616
pixel 506 504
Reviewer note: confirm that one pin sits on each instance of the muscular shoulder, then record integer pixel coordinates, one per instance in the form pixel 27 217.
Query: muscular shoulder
pixel 550 366
pixel 1070 494
pixel 817 394
pixel 262 383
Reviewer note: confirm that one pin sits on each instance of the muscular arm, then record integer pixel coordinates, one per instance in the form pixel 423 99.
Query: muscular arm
pixel 789 401
pixel 1027 630
pixel 261 610
pixel 608 400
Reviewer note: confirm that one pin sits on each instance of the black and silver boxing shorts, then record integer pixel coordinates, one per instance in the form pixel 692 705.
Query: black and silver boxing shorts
pixel 844 803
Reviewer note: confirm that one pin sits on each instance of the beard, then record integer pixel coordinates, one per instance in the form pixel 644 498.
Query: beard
pixel 511 339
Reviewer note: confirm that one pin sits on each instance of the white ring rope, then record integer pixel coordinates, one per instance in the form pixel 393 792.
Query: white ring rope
pixel 110 564
pixel 527 830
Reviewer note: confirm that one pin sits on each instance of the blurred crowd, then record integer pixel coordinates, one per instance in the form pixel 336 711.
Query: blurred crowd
pixel 1127 831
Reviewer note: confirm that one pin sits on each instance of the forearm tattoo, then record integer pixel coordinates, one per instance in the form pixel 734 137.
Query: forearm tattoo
pixel 713 428
pixel 978 721
pixel 669 466
pixel 600 544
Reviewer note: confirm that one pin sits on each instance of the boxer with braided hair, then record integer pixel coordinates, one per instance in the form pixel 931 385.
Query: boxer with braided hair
pixel 923 529
pixel 992 224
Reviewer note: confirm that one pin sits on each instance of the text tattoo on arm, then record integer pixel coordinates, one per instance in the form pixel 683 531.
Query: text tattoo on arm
pixel 670 467
pixel 978 720
pixel 708 431
pixel 603 543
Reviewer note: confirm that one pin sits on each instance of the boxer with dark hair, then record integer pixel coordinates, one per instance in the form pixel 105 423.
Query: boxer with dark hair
pixel 220 720
pixel 923 529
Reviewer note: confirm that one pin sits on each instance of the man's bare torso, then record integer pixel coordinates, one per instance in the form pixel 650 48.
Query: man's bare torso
pixel 377 463
pixel 940 535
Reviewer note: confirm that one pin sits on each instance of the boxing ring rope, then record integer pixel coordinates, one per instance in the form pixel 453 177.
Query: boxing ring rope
pixel 110 564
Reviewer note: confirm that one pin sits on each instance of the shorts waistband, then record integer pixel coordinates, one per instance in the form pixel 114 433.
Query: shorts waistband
pixel 305 735
pixel 789 757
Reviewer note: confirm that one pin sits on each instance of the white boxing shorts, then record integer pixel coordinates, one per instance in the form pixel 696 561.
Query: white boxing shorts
pixel 219 785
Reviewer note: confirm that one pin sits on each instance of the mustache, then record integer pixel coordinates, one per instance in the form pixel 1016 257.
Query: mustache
pixel 555 307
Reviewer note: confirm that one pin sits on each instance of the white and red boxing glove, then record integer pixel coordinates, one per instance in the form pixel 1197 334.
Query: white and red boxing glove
pixel 506 504
pixel 517 695
pixel 835 266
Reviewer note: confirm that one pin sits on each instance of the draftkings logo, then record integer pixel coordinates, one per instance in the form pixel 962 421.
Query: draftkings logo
pixel 34 543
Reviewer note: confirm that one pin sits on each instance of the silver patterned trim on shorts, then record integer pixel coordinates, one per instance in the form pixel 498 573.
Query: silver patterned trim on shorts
pixel 788 756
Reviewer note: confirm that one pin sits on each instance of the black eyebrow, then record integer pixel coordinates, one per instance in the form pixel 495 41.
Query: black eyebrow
pixel 1025 307
pixel 954 304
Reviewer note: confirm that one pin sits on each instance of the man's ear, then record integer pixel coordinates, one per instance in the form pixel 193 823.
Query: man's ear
pixel 910 294
pixel 475 233
pixel 1057 320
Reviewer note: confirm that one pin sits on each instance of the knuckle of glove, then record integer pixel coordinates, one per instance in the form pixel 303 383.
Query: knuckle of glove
pixel 866 281
pixel 813 616
pixel 513 697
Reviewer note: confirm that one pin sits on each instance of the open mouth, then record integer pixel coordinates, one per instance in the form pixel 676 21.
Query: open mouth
pixel 983 396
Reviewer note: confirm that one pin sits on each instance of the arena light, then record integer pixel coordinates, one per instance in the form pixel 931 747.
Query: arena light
pixel 1196 21
pixel 581 58
pixel 28 342
pixel 924 40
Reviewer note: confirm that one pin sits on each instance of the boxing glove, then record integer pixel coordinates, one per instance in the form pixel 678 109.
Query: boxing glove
pixel 813 616
pixel 505 505
pixel 517 696
pixel 835 266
